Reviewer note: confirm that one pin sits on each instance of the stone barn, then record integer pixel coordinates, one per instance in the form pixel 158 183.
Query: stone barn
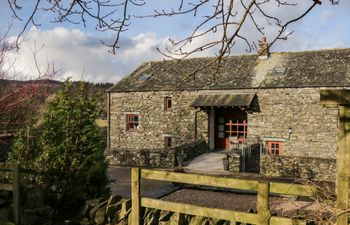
pixel 266 102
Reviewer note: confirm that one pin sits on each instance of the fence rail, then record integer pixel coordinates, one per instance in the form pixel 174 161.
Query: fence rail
pixel 263 189
pixel 225 182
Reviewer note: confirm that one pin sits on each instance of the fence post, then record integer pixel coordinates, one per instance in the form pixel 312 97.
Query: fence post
pixel 16 194
pixel 342 186
pixel 135 196
pixel 341 99
pixel 264 214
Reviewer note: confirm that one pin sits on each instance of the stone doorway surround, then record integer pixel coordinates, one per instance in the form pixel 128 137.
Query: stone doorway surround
pixel 213 102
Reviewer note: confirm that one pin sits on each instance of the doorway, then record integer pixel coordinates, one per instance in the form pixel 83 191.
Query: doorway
pixel 230 123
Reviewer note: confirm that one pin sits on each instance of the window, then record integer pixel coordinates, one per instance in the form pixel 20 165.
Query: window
pixel 132 121
pixel 279 71
pixel 167 142
pixel 237 128
pixel 167 103
pixel 274 148
pixel 144 77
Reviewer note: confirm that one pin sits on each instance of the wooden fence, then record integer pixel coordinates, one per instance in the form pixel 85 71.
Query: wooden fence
pixel 336 98
pixel 15 188
pixel 263 189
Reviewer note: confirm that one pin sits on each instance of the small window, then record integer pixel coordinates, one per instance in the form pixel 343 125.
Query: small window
pixel 168 142
pixel 279 71
pixel 167 103
pixel 274 148
pixel 144 77
pixel 132 121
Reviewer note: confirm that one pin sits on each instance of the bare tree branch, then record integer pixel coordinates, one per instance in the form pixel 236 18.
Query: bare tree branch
pixel 17 98
pixel 224 18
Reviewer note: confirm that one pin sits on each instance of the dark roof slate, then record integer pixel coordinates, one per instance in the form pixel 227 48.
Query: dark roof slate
pixel 229 100
pixel 323 68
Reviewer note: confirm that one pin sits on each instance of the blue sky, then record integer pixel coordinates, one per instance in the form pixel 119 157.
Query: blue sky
pixel 77 51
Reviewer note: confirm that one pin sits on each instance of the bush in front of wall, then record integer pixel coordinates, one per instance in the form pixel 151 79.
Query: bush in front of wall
pixel 72 160
pixel 68 154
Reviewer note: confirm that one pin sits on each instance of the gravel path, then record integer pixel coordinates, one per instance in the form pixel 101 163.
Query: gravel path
pixel 238 202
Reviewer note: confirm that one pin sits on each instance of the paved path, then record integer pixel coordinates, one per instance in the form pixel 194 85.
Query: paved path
pixel 210 163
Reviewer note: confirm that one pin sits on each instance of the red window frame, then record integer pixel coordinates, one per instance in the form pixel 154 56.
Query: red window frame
pixel 168 142
pixel 132 121
pixel 237 129
pixel 167 103
pixel 274 147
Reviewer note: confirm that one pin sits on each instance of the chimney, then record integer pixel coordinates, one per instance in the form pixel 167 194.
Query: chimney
pixel 263 51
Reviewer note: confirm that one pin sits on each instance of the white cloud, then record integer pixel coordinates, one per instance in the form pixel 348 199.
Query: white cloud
pixel 82 56
pixel 75 51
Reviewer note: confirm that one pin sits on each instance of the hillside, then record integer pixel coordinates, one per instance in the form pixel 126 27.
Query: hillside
pixel 22 101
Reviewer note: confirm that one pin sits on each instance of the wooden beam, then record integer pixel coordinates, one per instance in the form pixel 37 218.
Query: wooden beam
pixel 200 211
pixel 292 189
pixel 226 182
pixel 341 99
pixel 275 220
pixel 135 197
pixel 262 204
pixel 223 214
pixel 197 179
pixel 333 98
pixel 343 157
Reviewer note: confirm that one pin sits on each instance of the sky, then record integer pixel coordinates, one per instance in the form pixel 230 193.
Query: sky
pixel 77 51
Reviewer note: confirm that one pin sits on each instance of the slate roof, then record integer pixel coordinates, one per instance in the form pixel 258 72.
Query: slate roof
pixel 223 100
pixel 323 68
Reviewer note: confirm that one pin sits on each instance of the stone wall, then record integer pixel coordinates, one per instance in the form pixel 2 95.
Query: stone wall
pixel 180 121
pixel 314 127
pixel 298 167
pixel 234 161
pixel 161 158
pixel 273 112
pixel 192 150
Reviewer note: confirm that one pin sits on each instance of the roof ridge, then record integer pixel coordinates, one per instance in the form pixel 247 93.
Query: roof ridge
pixel 322 67
pixel 248 55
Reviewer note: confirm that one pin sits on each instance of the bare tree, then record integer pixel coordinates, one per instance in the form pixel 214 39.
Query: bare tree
pixel 18 99
pixel 223 17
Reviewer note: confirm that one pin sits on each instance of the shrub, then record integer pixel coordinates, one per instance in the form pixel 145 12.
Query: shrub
pixel 68 151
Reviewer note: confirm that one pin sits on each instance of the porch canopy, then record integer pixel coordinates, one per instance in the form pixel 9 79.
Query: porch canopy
pixel 224 100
